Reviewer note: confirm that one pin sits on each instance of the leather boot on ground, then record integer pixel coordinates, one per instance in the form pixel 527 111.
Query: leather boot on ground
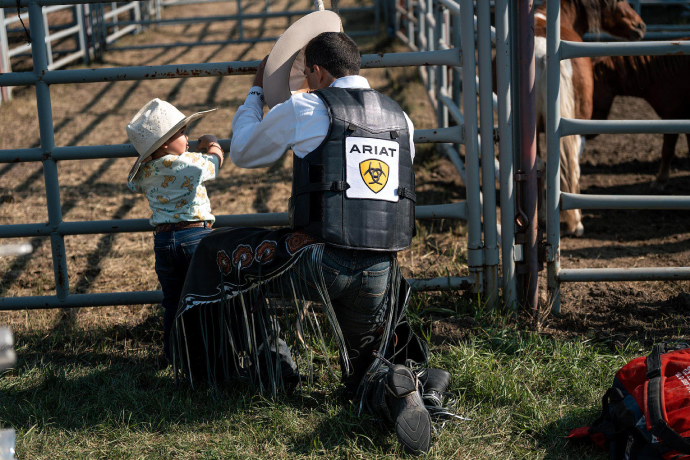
pixel 435 383
pixel 406 409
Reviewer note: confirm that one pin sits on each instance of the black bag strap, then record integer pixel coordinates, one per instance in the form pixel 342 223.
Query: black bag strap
pixel 660 428
pixel 404 192
pixel 612 401
pixel 336 186
pixel 654 361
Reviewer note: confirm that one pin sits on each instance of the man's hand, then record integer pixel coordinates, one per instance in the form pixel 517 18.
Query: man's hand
pixel 259 77
pixel 205 140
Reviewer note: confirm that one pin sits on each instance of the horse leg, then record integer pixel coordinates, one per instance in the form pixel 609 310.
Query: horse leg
pixel 570 183
pixel 573 107
pixel 667 153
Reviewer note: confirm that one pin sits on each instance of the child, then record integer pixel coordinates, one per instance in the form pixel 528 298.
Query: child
pixel 172 178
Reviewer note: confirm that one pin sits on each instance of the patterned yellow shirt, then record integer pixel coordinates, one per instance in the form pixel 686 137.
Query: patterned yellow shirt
pixel 174 186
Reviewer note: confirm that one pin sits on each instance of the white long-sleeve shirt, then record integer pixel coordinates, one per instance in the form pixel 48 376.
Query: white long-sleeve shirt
pixel 301 123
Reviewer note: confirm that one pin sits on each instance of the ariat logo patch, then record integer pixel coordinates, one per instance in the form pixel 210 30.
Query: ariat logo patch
pixel 375 174
pixel 372 168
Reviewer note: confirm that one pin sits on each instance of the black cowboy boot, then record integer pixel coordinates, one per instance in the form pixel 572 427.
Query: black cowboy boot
pixel 398 399
pixel 435 382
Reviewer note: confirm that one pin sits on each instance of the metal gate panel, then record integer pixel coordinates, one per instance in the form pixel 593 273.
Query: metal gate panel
pixel 556 127
pixel 447 24
pixel 41 77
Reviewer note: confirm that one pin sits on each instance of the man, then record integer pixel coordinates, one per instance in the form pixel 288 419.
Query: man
pixel 352 208
pixel 333 124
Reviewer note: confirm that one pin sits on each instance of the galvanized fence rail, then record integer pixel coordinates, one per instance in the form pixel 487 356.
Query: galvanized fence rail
pixel 556 127
pixel 663 31
pixel 246 11
pixel 96 27
pixel 49 154
pixel 92 27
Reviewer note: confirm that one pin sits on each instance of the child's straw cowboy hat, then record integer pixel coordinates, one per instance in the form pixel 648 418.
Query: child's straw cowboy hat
pixel 154 124
pixel 284 72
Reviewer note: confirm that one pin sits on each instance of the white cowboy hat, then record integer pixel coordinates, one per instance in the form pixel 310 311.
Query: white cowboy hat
pixel 284 71
pixel 154 124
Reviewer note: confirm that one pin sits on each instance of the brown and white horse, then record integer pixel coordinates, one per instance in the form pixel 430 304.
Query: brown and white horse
pixel 659 80
pixel 577 79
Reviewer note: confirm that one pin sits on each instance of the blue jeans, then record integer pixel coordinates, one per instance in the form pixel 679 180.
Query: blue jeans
pixel 357 283
pixel 174 251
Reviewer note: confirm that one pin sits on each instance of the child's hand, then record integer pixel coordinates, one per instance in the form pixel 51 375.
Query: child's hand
pixel 205 140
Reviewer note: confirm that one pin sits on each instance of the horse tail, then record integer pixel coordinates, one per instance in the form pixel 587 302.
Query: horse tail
pixel 571 145
pixel 570 152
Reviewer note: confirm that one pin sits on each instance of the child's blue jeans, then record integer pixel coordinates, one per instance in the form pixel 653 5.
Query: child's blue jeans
pixel 174 251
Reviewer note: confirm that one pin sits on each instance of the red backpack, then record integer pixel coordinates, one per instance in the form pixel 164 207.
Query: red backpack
pixel 646 413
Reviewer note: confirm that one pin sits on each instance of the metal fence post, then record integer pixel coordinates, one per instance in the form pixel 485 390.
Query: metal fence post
pixel 421 29
pixel 103 28
pixel 505 145
pixel 457 79
pixel 79 13
pixel 486 127
pixel 48 44
pixel 136 13
pixel 475 254
pixel 553 149
pixel 431 46
pixel 377 15
pixel 5 65
pixel 50 172
pixel 240 27
pixel 397 17
pixel 528 150
pixel 113 7
pixel 410 6
pixel 441 70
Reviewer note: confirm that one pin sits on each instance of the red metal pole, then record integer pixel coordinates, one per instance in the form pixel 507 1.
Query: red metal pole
pixel 528 149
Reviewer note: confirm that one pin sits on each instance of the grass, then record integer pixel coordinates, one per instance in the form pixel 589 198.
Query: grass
pixel 88 384
pixel 100 393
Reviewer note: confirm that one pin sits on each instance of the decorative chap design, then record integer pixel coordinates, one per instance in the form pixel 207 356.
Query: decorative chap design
pixel 298 240
pixel 266 252
pixel 223 261
pixel 242 257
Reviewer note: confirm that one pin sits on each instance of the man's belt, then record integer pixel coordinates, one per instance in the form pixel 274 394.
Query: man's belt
pixel 341 186
pixel 180 226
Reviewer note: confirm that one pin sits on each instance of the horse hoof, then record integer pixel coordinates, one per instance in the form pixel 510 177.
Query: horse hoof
pixel 578 231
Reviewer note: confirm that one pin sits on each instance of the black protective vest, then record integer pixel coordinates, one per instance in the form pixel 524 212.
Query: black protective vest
pixel 344 192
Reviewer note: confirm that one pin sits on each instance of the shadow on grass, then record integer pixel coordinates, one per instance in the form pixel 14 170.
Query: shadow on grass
pixel 111 379
pixel 553 441
pixel 346 429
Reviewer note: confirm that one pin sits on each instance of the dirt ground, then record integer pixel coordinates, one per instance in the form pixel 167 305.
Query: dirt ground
pixel 96 113
pixel 647 311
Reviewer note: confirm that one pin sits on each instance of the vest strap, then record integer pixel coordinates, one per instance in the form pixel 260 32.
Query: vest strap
pixel 336 186
pixel 404 192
